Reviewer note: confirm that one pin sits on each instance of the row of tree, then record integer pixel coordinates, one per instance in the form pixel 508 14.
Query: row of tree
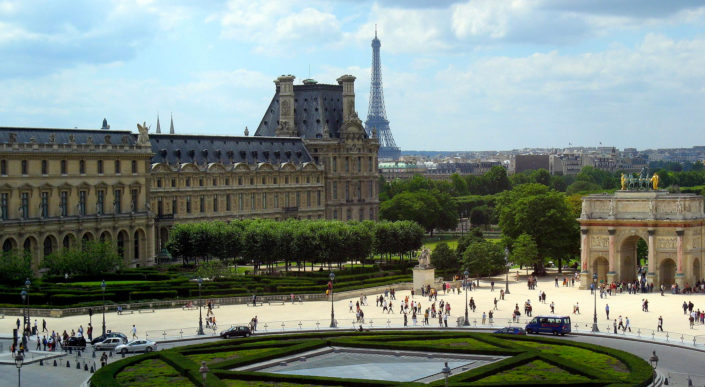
pixel 265 242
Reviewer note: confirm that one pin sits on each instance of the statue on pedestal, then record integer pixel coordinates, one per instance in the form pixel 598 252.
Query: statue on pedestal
pixel 425 258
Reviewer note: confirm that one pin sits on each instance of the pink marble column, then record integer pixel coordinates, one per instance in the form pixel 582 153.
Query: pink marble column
pixel 679 251
pixel 584 249
pixel 612 251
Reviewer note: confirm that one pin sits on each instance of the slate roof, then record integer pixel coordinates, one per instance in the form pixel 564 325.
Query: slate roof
pixel 314 105
pixel 62 136
pixel 184 148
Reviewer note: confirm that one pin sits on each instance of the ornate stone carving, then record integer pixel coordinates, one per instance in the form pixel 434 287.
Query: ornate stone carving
pixel 599 241
pixel 13 138
pixel 286 108
pixel 612 207
pixel 72 139
pixel 107 139
pixel 143 137
pixel 52 138
pixel 425 258
pixel 665 242
pixel 89 140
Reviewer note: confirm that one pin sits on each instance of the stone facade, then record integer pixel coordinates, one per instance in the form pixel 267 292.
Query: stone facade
pixel 59 187
pixel 672 225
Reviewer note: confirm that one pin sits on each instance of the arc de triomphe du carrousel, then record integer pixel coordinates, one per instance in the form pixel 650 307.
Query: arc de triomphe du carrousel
pixel 672 226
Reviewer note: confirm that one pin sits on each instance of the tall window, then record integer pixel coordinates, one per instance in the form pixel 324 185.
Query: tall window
pixel 200 182
pixel 369 164
pixel 347 190
pixel 82 167
pixel 134 166
pixel 335 190
pixel 3 206
pixel 3 167
pixel 370 184
pixel 188 181
pixel 347 164
pixel 335 164
pixel 228 204
pixel 174 206
pixel 63 167
pixel 202 204
pixel 298 199
pixel 335 214
pixel 160 207
pixel 64 203
pixel 276 200
pixel 100 167
pixel 264 200
pixel 159 183
pixel 44 205
pixel 372 214
pixel 215 182
pixel 359 164
pixel 349 214
pixel 188 204
pixel 318 198
pixel 134 203
pixel 240 204
pixel 361 215
pixel 100 205
pixel 173 183
pixel 24 205
pixel 215 203
pixel 45 167
pixel 239 181
pixel 286 200
pixel 359 189
pixel 117 204
pixel 117 167
pixel 264 180
pixel 82 203
pixel 252 201
pixel 308 199
pixel 24 167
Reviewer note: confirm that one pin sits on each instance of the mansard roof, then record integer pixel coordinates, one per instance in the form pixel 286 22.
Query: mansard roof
pixel 201 149
pixel 315 105
pixel 64 136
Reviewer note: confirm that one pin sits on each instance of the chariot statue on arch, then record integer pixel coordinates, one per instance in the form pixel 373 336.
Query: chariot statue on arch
pixel 643 182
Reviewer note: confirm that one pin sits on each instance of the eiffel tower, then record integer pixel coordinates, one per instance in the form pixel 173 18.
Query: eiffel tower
pixel 376 113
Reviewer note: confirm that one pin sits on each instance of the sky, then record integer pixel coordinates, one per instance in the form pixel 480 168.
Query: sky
pixel 458 75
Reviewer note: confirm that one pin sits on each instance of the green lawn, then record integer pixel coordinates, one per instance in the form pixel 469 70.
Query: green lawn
pixel 464 343
pixel 151 372
pixel 215 357
pixel 535 371
pixel 608 364
pixel 107 283
pixel 452 243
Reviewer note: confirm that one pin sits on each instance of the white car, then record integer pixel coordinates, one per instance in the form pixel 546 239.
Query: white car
pixel 137 346
pixel 109 344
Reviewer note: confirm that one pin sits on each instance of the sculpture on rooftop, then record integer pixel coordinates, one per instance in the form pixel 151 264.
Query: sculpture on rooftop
pixel 643 182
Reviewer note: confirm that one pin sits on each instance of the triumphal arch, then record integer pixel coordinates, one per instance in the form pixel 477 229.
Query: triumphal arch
pixel 671 225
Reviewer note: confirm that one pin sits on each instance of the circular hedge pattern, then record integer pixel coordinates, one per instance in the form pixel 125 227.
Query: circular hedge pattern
pixel 531 361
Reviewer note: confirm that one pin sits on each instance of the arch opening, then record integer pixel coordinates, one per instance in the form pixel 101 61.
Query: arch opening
pixel 601 266
pixel 633 254
pixel 667 272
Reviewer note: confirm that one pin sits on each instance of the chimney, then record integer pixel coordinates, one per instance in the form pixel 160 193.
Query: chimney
pixel 348 83
pixel 285 83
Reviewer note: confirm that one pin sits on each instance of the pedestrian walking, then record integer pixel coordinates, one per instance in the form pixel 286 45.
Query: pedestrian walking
pixel 615 326
pixel 44 326
pixel 626 324
pixel 484 316
pixel 660 324
pixel 607 310
pixel 553 308
pixel 134 331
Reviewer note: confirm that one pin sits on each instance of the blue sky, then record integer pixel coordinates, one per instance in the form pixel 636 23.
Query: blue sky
pixel 458 75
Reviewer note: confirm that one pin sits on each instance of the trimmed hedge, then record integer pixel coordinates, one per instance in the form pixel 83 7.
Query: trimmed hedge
pixel 154 294
pixel 640 372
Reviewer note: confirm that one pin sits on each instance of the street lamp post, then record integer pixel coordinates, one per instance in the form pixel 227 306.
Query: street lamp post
pixel 102 286
pixel 204 371
pixel 19 358
pixel 466 323
pixel 200 316
pixel 28 322
pixel 332 313
pixel 594 290
pixel 23 293
pixel 506 278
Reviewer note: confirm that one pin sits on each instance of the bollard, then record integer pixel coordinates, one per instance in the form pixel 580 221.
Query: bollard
pixel 110 354
pixel 85 366
pixel 92 369
pixel 78 353
pixel 55 363
pixel 41 362
pixel 123 355
pixel 94 353
pixel 78 365
pixel 388 323
pixel 68 365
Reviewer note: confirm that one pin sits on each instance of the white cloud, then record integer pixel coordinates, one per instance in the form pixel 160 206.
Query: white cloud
pixel 278 26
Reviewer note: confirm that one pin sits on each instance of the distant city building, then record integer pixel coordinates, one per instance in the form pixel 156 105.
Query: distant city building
pixel 521 163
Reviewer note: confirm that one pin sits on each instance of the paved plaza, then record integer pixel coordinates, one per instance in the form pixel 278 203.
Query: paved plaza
pixel 169 323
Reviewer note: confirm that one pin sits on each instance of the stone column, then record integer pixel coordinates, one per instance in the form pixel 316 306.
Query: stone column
pixel 680 278
pixel 651 273
pixel 611 274
pixel 584 258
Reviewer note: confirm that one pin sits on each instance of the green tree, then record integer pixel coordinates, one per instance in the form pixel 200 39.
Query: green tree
pixel 93 258
pixel 429 209
pixel 541 176
pixel 444 258
pixel 543 214
pixel 15 267
pixel 524 250
pixel 497 180
pixel 582 186
pixel 483 258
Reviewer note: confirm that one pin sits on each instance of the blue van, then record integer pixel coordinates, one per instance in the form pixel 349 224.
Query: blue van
pixel 556 325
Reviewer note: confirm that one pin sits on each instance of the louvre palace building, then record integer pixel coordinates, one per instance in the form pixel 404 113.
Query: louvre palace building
pixel 309 158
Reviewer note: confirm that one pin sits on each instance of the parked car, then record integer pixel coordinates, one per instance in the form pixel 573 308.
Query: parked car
pixel 108 335
pixel 243 331
pixel 109 344
pixel 75 342
pixel 136 346
pixel 510 331
pixel 556 325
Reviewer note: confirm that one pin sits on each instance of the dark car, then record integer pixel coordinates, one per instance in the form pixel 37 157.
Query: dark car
pixel 511 331
pixel 75 342
pixel 102 338
pixel 243 331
